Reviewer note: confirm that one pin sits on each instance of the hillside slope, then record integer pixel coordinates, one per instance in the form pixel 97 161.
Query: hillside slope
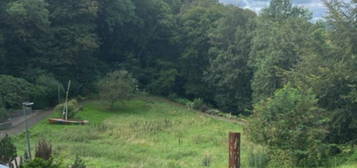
pixel 145 133
pixel 140 133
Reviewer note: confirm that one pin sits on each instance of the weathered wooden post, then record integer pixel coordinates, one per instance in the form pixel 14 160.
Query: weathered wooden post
pixel 234 150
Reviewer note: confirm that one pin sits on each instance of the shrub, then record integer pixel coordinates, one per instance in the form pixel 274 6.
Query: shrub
pixel 14 91
pixel 43 150
pixel 73 108
pixel 41 163
pixel 117 86
pixel 198 104
pixel 7 150
pixel 292 122
pixel 78 163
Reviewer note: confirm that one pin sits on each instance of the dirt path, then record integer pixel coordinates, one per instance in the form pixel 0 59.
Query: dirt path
pixel 19 124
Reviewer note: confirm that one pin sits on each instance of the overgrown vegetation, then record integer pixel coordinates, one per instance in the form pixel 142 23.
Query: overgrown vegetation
pixel 14 91
pixel 7 150
pixel 291 122
pixel 144 131
pixel 40 163
pixel 43 150
pixel 73 109
pixel 297 76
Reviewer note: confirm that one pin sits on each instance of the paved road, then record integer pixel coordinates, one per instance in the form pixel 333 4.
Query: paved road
pixel 19 124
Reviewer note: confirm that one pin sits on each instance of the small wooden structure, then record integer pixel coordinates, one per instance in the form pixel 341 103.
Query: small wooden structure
pixel 64 120
pixel 67 122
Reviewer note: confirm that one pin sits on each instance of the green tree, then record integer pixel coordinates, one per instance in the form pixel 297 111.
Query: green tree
pixel 195 22
pixel 116 21
pixel 25 34
pixel 279 10
pixel 156 54
pixel 228 73
pixel 3 5
pixel 7 150
pixel 342 19
pixel 281 34
pixel 329 69
pixel 74 42
pixel 276 48
pixel 117 86
pixel 14 91
pixel 291 121
pixel 47 90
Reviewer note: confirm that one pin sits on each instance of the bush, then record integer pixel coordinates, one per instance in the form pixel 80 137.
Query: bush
pixel 41 163
pixel 73 108
pixel 199 104
pixel 43 150
pixel 7 150
pixel 117 86
pixel 14 91
pixel 291 121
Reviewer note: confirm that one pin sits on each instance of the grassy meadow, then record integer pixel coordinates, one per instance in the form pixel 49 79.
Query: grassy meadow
pixel 145 132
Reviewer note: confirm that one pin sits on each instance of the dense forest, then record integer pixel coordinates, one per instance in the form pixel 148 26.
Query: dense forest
pixel 295 78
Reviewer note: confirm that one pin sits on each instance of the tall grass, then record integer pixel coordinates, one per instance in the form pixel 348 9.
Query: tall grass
pixel 147 133
pixel 144 133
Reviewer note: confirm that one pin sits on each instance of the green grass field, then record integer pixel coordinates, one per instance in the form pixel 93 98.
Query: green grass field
pixel 147 133
pixel 143 133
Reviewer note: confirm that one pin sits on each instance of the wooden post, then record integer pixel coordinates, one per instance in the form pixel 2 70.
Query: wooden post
pixel 234 150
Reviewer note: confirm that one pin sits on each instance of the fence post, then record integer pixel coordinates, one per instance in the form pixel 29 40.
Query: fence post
pixel 234 150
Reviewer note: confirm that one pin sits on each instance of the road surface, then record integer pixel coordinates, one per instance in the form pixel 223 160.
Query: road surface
pixel 18 125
